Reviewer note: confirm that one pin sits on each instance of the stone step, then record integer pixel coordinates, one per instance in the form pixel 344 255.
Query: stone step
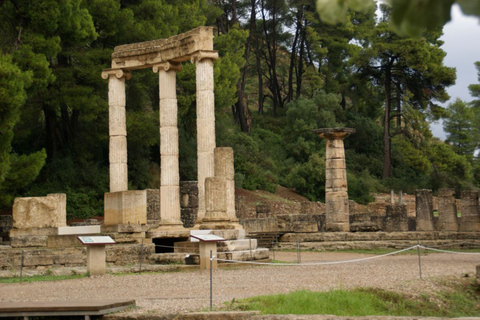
pixel 245 255
pixel 222 246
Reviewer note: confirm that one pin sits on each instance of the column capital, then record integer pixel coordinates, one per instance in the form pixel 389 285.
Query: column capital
pixel 204 54
pixel 119 73
pixel 167 66
pixel 334 133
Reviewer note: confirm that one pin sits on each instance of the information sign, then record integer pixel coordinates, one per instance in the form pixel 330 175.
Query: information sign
pixel 93 240
pixel 207 237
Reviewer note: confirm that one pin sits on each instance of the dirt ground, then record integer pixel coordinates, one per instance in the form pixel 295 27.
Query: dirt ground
pixel 175 292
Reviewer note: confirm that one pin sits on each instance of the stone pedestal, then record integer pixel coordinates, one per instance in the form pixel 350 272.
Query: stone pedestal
pixel 336 196
pixel 424 210
pixel 447 210
pixel 96 264
pixel 396 219
pixel 216 205
pixel 205 122
pixel 126 207
pixel 205 249
pixel 117 128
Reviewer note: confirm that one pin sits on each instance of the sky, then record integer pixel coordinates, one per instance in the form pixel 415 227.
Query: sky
pixel 462 45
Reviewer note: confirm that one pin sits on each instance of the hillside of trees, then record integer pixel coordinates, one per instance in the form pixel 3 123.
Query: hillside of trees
pixel 282 72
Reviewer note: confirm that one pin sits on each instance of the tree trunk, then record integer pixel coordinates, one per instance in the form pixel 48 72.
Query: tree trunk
pixel 386 127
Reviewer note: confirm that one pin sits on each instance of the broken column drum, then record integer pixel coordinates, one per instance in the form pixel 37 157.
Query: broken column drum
pixel 165 56
pixel 336 190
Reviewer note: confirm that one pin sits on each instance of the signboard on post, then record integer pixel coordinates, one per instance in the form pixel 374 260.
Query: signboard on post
pixel 96 240
pixel 96 264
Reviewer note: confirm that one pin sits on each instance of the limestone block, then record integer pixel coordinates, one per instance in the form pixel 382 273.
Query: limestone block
pixel 117 123
pixel 118 149
pixel 167 84
pixel 167 258
pixel 335 174
pixel 447 210
pixel 335 164
pixel 335 153
pixel 215 198
pixel 335 184
pixel 38 258
pixel 424 210
pixel 469 208
pixel 168 113
pixel 206 168
pixel 186 247
pixel 169 141
pixel 224 163
pixel 205 104
pixel 396 218
pixel 63 241
pixel 118 177
pixel 237 245
pixel 337 226
pixel 170 171
pixel 231 213
pixel 170 205
pixel 335 144
pixel 40 212
pixel 28 241
pixel 79 230
pixel 116 91
pixel 125 207
pixel 70 258
pixel 247 255
pixel 206 134
pixel 204 75
pixel 153 204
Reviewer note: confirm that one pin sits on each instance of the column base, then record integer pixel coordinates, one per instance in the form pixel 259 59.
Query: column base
pixel 337 227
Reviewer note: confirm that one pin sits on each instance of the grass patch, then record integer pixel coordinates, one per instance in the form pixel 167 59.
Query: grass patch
pixel 460 298
pixel 46 277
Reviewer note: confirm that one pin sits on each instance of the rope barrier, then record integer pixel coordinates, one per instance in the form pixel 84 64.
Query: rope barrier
pixel 447 251
pixel 317 263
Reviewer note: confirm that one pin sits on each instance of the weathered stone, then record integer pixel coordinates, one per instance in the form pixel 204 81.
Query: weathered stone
pixel 424 205
pixel 396 218
pixel 237 245
pixel 37 258
pixel 167 258
pixel 40 212
pixel 447 210
pixel 28 241
pixel 246 255
pixel 6 223
pixel 153 204
pixel 469 209
pixel 215 199
pixel 125 207
pixel 63 241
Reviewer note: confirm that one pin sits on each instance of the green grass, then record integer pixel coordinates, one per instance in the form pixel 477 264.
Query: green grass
pixel 47 277
pixel 460 298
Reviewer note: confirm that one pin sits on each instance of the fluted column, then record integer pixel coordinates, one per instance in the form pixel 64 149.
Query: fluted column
pixel 205 122
pixel 117 128
pixel 169 167
pixel 336 190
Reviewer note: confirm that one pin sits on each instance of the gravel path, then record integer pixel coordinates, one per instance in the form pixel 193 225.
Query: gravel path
pixel 189 291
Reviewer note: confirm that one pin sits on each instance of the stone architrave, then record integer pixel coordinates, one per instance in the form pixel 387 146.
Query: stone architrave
pixel 224 168
pixel 169 166
pixel 40 212
pixel 447 210
pixel 469 209
pixel 205 123
pixel 424 210
pixel 117 128
pixel 336 190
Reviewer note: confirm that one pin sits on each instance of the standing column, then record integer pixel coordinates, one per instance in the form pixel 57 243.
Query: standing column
pixel 205 123
pixel 169 167
pixel 336 190
pixel 117 127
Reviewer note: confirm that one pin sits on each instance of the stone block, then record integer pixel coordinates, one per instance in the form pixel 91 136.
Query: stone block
pixel 167 258
pixel 215 199
pixel 224 163
pixel 246 255
pixel 63 241
pixel 237 245
pixel 38 258
pixel 116 91
pixel 28 241
pixel 40 212
pixel 168 113
pixel 118 149
pixel 396 218
pixel 125 207
pixel 335 164
pixel 80 230
pixel 70 258
pixel 169 142
pixel 118 177
pixel 117 121
pixel 170 174
pixel 424 210
pixel 153 204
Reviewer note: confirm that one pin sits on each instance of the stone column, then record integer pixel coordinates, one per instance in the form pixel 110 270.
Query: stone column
pixel 424 210
pixel 447 210
pixel 169 167
pixel 117 128
pixel 205 123
pixel 224 169
pixel 469 208
pixel 336 190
